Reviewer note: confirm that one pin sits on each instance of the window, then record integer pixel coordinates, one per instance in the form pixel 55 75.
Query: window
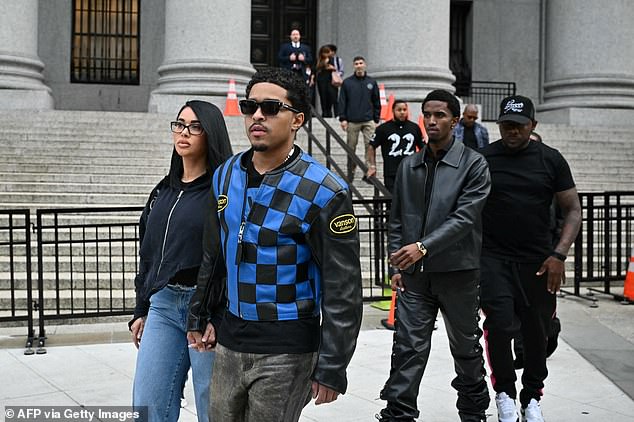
pixel 105 42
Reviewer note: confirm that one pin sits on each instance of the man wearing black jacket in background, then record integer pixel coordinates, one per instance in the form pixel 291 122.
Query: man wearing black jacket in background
pixel 359 109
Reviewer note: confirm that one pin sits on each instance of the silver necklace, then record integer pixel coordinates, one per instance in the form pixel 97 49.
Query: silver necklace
pixel 289 154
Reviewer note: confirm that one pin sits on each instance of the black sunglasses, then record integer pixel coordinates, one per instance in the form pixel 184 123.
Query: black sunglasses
pixel 268 107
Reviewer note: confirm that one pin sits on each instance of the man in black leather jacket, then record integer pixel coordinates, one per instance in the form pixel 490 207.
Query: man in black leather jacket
pixel 287 236
pixel 435 235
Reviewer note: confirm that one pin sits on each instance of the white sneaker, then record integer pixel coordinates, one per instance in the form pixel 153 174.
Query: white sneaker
pixel 507 410
pixel 532 412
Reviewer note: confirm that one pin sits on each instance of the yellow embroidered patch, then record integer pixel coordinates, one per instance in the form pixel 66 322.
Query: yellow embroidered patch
pixel 343 224
pixel 222 202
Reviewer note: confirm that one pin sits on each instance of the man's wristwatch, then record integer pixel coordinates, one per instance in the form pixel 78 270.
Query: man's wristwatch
pixel 421 248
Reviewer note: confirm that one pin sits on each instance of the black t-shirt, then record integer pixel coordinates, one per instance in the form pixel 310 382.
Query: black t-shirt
pixel 397 140
pixel 295 336
pixel 469 138
pixel 516 218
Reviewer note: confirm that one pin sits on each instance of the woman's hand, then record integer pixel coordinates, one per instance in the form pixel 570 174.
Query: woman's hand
pixel 137 331
pixel 203 342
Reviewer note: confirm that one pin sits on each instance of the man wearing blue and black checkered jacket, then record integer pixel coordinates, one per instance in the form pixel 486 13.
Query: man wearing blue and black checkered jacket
pixel 286 238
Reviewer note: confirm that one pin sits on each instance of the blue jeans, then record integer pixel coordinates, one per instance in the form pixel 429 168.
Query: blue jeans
pixel 249 387
pixel 164 359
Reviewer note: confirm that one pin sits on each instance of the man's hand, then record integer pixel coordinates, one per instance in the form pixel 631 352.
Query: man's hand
pixel 344 124
pixel 323 394
pixel 292 57
pixel 371 170
pixel 203 342
pixel 301 57
pixel 406 256
pixel 137 331
pixel 556 273
pixel 397 282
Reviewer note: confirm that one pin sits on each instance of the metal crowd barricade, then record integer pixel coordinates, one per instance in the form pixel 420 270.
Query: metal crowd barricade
pixel 372 226
pixel 604 243
pixel 16 287
pixel 87 261
pixel 87 258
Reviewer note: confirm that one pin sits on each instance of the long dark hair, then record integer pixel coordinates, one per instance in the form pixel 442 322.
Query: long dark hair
pixel 216 135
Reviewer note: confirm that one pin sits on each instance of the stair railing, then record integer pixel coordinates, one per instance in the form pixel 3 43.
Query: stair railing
pixel 379 188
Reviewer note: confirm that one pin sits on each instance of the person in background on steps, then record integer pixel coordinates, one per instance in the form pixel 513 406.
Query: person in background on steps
pixel 286 233
pixel 339 68
pixel 398 139
pixel 469 131
pixel 359 109
pixel 170 233
pixel 295 55
pixel 327 92
pixel 435 237
pixel 521 268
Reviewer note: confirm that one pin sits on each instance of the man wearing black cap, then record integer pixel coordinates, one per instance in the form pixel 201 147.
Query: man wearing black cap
pixel 435 235
pixel 521 270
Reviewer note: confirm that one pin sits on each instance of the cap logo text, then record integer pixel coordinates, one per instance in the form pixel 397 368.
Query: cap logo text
pixel 513 107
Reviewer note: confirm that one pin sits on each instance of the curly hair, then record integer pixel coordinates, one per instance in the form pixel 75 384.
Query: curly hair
pixel 295 86
pixel 445 96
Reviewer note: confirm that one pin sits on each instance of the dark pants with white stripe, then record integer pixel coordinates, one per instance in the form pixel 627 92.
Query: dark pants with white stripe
pixel 515 299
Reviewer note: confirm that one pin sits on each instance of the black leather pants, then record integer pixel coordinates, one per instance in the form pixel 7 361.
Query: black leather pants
pixel 455 294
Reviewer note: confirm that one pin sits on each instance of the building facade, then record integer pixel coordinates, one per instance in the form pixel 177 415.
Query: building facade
pixel 575 58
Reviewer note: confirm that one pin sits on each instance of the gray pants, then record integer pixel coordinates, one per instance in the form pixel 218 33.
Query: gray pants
pixel 352 138
pixel 249 387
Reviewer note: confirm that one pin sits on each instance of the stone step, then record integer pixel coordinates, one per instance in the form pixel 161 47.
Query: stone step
pixel 74 187
pixel 73 178
pixel 89 300
pixel 72 200
pixel 140 162
pixel 97 169
pixel 50 146
pixel 103 151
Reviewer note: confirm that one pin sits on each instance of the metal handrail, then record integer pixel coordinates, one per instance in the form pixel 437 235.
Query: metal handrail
pixel 488 94
pixel 331 133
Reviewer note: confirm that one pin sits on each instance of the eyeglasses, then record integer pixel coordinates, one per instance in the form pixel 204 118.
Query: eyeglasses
pixel 194 128
pixel 268 107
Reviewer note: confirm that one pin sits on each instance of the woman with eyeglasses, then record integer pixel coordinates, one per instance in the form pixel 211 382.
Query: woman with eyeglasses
pixel 171 236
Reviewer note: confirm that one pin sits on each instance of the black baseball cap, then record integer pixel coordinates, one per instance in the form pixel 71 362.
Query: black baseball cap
pixel 517 108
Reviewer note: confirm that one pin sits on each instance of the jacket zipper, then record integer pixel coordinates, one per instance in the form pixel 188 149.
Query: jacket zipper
pixel 431 195
pixel 243 223
pixel 167 226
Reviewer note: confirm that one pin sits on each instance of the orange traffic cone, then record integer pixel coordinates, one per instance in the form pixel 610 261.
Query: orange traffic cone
pixel 383 101
pixel 389 322
pixel 389 115
pixel 421 124
pixel 628 287
pixel 231 106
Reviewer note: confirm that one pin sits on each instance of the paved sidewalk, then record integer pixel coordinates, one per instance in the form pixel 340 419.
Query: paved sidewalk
pixel 101 374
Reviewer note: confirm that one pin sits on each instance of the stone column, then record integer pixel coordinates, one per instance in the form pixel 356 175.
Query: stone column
pixel 408 46
pixel 21 79
pixel 207 43
pixel 589 63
